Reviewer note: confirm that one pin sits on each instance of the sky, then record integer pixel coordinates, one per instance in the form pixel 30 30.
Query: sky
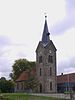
pixel 21 28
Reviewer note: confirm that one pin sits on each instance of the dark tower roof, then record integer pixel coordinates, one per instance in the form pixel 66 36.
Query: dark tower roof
pixel 45 36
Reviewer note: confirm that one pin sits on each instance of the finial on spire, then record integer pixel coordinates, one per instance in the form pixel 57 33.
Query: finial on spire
pixel 45 15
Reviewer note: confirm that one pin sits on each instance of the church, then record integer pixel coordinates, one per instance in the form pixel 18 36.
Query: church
pixel 45 65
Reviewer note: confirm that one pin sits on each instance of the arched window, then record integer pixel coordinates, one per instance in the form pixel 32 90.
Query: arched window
pixel 40 59
pixel 40 71
pixel 51 86
pixel 50 59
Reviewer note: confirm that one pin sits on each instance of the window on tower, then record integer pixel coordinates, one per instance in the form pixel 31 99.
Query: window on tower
pixel 50 59
pixel 40 59
pixel 40 71
pixel 50 85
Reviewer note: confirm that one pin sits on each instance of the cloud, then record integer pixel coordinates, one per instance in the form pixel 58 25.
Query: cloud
pixel 5 74
pixel 68 21
pixel 9 52
pixel 5 66
pixel 4 63
pixel 67 66
pixel 65 41
pixel 20 28
pixel 65 51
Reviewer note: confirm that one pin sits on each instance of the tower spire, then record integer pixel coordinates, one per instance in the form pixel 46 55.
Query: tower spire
pixel 45 36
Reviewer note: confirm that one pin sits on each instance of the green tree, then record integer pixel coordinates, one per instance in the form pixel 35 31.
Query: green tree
pixel 6 85
pixel 31 83
pixel 19 66
pixel 24 65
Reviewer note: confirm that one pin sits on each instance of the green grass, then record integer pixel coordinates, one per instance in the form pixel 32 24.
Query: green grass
pixel 71 92
pixel 23 96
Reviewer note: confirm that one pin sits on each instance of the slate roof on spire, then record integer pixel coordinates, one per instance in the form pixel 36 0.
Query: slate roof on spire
pixel 45 36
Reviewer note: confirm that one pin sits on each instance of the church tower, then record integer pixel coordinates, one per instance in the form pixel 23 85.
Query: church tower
pixel 46 63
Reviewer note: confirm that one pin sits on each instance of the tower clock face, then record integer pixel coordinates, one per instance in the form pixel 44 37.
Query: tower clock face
pixel 50 51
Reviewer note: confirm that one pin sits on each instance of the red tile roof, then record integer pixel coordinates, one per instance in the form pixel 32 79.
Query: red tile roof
pixel 25 75
pixel 33 72
pixel 60 78
pixel 66 78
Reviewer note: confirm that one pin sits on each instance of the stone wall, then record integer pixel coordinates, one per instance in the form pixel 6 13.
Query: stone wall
pixel 46 78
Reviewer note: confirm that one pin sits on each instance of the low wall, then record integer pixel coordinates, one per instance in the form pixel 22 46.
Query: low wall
pixel 57 95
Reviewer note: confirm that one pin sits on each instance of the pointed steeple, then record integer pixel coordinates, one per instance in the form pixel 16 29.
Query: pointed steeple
pixel 45 36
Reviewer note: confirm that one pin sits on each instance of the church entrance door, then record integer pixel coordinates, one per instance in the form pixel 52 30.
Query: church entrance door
pixel 40 88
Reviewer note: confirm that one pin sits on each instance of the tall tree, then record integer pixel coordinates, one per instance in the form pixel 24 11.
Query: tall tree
pixel 19 66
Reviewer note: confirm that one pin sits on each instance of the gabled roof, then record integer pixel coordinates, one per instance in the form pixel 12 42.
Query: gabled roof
pixel 46 45
pixel 52 45
pixel 25 75
pixel 40 44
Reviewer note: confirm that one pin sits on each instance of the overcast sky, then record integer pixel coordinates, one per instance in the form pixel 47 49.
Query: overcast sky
pixel 21 28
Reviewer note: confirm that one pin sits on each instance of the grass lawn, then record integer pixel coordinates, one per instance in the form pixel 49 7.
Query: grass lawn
pixel 23 96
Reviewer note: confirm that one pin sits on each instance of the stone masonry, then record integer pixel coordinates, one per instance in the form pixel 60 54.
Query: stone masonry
pixel 46 63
